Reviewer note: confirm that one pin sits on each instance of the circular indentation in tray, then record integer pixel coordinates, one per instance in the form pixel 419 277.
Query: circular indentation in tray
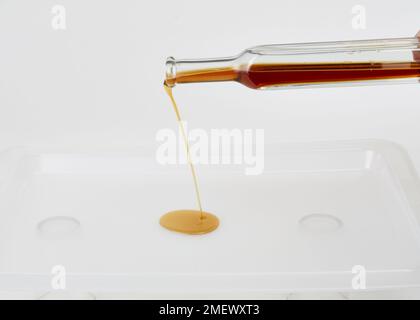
pixel 59 226
pixel 319 222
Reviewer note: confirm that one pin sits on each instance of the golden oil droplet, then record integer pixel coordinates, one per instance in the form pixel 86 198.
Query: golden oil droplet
pixel 190 221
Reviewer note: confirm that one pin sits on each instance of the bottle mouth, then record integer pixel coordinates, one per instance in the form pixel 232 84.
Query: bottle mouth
pixel 197 70
pixel 170 72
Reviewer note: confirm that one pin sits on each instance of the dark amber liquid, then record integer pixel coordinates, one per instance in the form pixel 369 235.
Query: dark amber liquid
pixel 269 75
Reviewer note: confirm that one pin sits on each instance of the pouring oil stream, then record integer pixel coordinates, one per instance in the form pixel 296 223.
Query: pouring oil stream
pixel 188 221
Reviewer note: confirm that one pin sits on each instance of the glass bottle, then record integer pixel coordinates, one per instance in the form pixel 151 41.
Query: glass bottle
pixel 322 64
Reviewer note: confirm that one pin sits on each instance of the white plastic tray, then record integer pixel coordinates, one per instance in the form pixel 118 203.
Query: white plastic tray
pixel 317 210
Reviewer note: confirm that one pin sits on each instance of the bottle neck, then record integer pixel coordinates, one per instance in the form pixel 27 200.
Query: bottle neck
pixel 200 70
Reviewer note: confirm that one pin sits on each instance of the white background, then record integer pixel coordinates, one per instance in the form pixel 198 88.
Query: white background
pixel 99 82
